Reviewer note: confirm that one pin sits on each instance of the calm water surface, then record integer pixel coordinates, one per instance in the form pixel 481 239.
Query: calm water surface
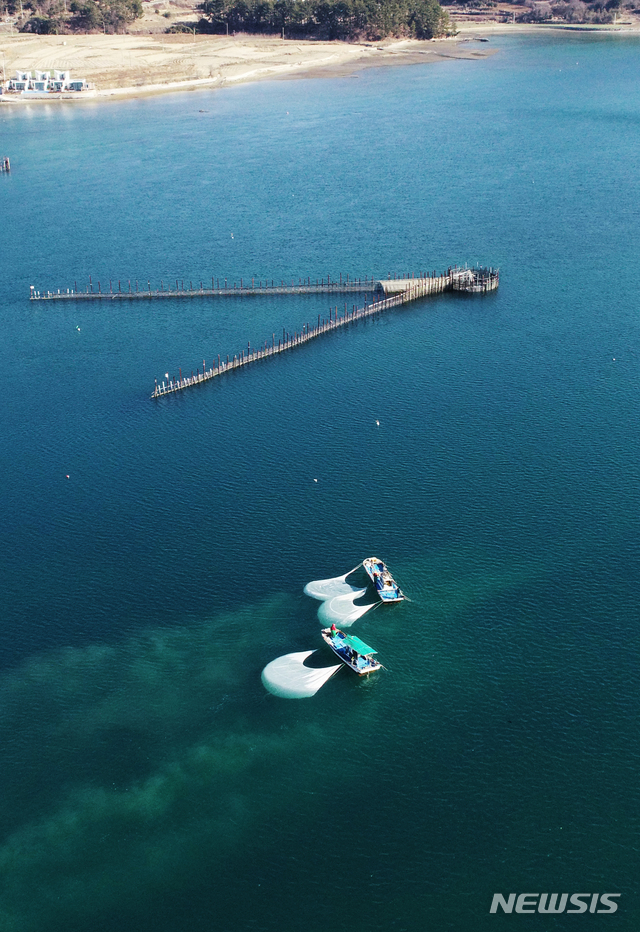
pixel 147 780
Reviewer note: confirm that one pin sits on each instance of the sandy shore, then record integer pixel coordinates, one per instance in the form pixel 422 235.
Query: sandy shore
pixel 137 65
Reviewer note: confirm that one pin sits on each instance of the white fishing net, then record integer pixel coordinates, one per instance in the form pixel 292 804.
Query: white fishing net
pixel 342 611
pixel 329 588
pixel 288 678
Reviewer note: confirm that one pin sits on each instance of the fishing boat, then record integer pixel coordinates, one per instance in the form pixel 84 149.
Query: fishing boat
pixel 353 652
pixel 385 584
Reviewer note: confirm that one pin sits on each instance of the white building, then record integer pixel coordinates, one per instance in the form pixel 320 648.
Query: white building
pixel 43 83
pixel 40 82
pixel 20 82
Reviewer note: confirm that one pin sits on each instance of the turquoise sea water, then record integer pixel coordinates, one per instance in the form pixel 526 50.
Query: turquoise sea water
pixel 148 782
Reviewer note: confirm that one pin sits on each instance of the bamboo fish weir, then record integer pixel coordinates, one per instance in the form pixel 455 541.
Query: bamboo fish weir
pixel 385 294
pixel 220 288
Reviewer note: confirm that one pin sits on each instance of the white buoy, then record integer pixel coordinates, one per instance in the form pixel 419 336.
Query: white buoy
pixel 288 678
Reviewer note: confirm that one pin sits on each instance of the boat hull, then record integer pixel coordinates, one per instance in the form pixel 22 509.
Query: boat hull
pixel 385 584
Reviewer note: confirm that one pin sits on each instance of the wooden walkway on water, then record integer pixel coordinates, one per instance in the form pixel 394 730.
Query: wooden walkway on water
pixel 387 294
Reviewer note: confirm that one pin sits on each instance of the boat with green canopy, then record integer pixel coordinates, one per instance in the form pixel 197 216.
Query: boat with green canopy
pixel 353 652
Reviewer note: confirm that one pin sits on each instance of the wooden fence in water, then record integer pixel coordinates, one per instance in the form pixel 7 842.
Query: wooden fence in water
pixel 387 293
pixel 220 288
pixel 419 287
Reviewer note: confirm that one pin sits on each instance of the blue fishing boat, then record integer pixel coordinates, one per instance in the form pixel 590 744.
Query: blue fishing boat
pixel 353 652
pixel 385 584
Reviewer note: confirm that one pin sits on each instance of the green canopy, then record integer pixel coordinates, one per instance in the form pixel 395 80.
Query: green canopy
pixel 359 646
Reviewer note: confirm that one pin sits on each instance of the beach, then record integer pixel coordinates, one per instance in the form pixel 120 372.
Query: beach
pixel 135 65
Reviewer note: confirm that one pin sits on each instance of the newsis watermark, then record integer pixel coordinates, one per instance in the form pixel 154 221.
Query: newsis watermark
pixel 555 903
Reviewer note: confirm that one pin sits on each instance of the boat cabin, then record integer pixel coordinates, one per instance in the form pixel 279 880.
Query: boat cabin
pixel 351 650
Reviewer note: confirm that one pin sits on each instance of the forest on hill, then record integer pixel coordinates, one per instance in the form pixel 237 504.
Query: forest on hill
pixel 57 17
pixel 330 19
pixel 349 20
pixel 327 19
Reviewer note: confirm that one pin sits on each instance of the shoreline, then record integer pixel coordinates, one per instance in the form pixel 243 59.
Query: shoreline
pixel 134 66
pixel 127 67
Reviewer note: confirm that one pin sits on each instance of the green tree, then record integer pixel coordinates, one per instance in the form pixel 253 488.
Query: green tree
pixel 43 25
pixel 428 19
pixel 109 15
pixel 215 11
pixel 337 19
